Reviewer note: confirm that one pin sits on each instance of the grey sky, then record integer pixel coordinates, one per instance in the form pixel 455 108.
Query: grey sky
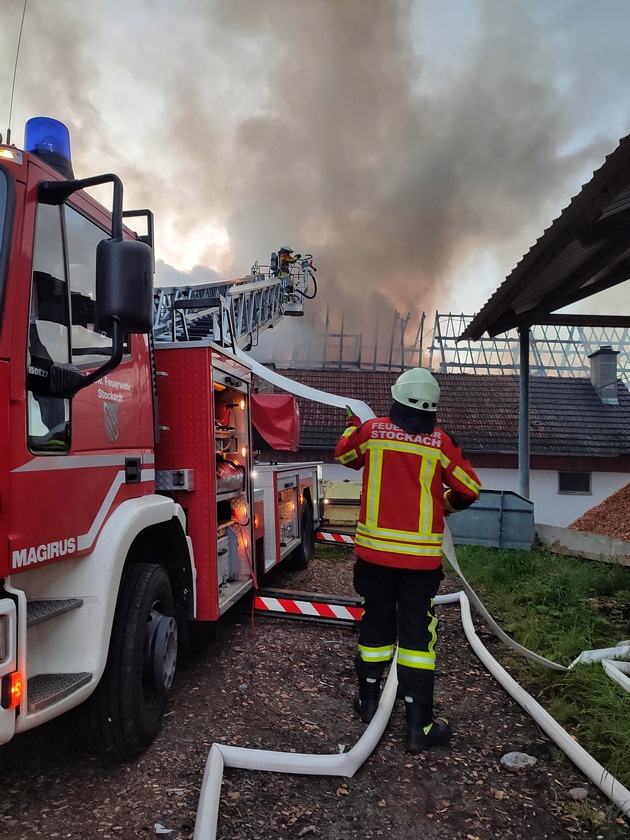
pixel 417 149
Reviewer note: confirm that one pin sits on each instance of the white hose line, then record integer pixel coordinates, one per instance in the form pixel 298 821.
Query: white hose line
pixel 210 795
pixel 346 764
pixel 614 660
pixel 594 771
pixel 618 671
pixel 359 408
pixel 342 764
pixel 449 552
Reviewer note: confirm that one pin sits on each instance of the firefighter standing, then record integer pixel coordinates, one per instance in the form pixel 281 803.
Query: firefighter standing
pixel 407 461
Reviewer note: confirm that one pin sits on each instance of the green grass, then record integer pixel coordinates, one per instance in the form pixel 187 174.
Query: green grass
pixel 559 606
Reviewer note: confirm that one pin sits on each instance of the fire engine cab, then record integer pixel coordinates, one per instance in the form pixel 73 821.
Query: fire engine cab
pixel 130 499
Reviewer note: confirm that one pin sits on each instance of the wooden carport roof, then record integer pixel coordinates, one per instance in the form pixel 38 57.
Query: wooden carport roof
pixel 584 251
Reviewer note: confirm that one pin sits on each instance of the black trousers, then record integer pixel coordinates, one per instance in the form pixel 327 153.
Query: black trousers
pixel 398 606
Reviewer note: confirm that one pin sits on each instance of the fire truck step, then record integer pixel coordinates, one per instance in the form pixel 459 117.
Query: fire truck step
pixel 39 611
pixel 317 597
pixel 308 606
pixel 338 536
pixel 46 689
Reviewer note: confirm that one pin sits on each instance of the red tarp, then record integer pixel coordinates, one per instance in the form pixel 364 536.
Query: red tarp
pixel 276 418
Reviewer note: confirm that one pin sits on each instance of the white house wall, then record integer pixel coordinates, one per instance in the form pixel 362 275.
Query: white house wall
pixel 550 507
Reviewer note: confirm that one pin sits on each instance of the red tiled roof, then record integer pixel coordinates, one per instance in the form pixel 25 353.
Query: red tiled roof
pixel 567 416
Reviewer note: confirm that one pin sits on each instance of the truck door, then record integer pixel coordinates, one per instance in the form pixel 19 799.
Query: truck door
pixel 83 456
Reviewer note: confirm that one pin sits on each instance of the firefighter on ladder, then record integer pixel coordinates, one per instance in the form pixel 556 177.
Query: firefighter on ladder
pixel 414 474
pixel 285 260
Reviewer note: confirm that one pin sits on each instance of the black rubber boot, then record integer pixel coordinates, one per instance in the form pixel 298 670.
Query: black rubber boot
pixel 422 737
pixel 366 702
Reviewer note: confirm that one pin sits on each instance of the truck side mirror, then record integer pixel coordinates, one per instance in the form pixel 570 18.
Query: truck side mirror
pixel 124 304
pixel 124 285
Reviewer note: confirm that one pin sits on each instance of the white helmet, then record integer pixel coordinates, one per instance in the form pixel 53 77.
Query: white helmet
pixel 417 388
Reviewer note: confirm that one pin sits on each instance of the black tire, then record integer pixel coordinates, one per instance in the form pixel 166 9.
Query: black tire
pixel 124 715
pixel 303 554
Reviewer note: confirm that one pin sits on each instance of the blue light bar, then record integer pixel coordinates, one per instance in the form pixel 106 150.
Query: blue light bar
pixel 43 134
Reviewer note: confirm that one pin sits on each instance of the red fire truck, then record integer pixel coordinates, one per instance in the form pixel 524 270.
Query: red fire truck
pixel 128 502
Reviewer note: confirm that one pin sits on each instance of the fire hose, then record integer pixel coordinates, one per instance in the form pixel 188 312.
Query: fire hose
pixel 347 764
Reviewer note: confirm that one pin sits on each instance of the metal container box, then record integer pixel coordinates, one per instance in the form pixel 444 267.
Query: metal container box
pixel 499 518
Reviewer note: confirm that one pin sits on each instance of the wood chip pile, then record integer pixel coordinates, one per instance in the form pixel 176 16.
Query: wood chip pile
pixel 611 518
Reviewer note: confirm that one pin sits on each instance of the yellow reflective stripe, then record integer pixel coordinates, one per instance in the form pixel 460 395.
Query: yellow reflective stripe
pixel 385 533
pixel 465 479
pixel 416 659
pixel 447 502
pixel 378 541
pixel 373 488
pixel 399 446
pixel 433 630
pixel 363 446
pixel 444 460
pixel 349 430
pixel 347 456
pixel 399 548
pixel 379 654
pixel 427 471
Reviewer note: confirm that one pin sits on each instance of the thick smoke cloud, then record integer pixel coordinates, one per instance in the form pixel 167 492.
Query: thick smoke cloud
pixel 337 127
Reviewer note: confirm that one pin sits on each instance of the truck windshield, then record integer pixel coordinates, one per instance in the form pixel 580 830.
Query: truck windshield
pixel 5 236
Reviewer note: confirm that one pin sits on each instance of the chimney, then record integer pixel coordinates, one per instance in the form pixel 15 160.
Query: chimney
pixel 604 374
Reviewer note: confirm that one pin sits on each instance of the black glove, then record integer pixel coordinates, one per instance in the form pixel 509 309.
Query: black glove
pixel 454 502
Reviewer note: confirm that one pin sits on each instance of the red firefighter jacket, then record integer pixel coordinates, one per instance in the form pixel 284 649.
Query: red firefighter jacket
pixel 401 518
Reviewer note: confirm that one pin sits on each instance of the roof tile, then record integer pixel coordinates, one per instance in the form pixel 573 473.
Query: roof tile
pixel 482 411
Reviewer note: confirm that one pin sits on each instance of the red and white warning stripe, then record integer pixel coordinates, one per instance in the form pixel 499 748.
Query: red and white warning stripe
pixel 308 608
pixel 327 536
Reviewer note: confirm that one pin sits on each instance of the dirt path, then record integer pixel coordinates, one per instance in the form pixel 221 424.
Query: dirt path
pixel 288 686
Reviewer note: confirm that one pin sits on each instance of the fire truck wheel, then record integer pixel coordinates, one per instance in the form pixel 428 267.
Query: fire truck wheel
pixel 302 555
pixel 124 715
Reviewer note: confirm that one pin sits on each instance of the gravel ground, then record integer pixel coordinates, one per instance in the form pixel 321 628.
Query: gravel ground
pixel 285 685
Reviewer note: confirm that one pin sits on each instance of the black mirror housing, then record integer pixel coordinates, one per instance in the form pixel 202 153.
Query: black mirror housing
pixel 124 285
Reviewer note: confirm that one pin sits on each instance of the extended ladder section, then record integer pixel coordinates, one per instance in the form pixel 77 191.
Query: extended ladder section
pixel 232 313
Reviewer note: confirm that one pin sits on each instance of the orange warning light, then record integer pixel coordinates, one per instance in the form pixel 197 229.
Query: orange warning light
pixel 12 689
